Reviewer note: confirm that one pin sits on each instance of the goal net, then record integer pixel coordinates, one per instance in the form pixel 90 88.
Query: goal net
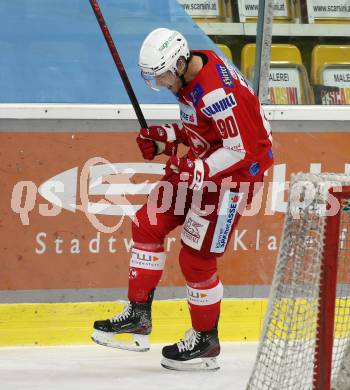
pixel 305 343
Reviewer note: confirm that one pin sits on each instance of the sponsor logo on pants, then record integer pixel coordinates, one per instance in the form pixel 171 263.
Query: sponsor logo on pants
pixel 225 221
pixel 194 230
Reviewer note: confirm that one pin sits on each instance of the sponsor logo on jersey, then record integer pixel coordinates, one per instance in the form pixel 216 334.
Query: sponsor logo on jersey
pixel 230 67
pixel 188 114
pixel 237 147
pixel 254 169
pixel 198 144
pixel 225 222
pixel 233 73
pixel 225 75
pixel 196 94
pixel 237 75
pixel 224 104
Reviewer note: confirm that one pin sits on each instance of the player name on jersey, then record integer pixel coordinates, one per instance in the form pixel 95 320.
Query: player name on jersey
pixel 219 106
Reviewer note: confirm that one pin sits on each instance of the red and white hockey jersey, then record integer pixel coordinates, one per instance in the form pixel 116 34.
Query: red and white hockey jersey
pixel 223 122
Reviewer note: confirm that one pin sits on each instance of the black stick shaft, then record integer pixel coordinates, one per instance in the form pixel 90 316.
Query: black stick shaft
pixel 118 62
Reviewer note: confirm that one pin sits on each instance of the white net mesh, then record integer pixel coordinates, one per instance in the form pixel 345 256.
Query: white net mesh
pixel 285 358
pixel 341 346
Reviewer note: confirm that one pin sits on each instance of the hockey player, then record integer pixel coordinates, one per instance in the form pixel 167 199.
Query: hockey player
pixel 229 149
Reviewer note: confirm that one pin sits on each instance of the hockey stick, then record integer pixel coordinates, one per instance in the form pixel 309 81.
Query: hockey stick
pixel 118 62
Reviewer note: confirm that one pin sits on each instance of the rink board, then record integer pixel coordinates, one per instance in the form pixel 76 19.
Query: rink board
pixel 51 248
pixel 61 197
pixel 71 323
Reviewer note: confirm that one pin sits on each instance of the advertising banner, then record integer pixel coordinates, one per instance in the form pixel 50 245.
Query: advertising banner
pixel 201 9
pixel 250 8
pixel 284 86
pixel 338 77
pixel 67 201
pixel 325 9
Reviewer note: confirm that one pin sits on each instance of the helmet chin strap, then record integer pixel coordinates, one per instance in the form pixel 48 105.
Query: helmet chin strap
pixel 182 77
pixel 183 81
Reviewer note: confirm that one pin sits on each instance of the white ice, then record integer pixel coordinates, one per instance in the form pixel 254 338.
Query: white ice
pixel 101 368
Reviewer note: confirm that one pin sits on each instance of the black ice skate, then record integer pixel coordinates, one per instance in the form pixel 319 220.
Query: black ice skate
pixel 135 319
pixel 196 352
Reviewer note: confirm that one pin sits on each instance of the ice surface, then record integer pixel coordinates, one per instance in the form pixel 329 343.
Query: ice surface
pixel 102 368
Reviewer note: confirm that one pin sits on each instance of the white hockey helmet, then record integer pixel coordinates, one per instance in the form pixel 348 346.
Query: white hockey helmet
pixel 159 53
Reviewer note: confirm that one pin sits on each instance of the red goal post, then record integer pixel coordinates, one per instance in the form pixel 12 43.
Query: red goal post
pixel 306 335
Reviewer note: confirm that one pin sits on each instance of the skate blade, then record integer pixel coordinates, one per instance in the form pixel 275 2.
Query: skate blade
pixel 139 342
pixel 199 364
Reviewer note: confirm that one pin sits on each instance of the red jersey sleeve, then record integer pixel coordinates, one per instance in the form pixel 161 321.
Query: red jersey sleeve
pixel 238 119
pixel 224 122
